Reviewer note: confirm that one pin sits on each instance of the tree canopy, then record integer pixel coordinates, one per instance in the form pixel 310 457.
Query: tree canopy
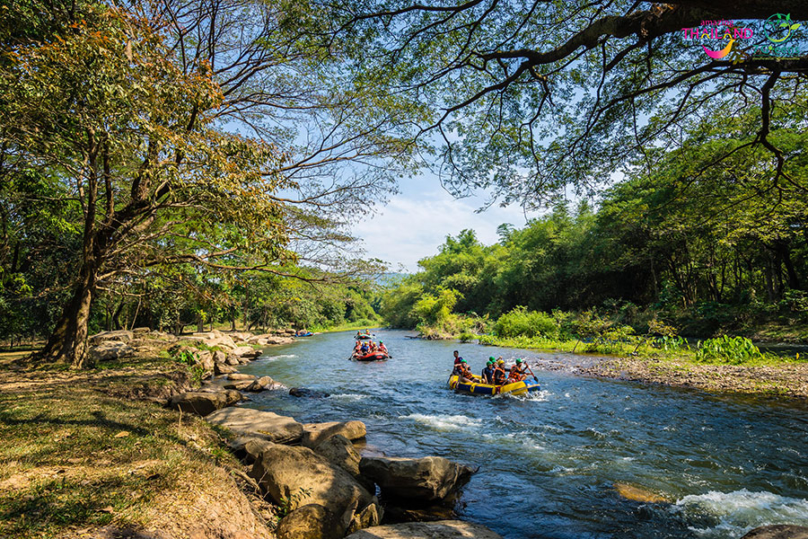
pixel 531 97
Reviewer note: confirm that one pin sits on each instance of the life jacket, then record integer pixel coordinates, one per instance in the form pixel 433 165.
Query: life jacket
pixel 499 375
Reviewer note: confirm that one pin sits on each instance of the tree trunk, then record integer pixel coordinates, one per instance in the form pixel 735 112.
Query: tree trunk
pixel 68 342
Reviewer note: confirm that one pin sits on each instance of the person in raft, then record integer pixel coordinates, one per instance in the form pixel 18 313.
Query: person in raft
pixel 499 372
pixel 488 372
pixel 463 372
pixel 457 358
pixel 382 347
pixel 358 347
pixel 517 373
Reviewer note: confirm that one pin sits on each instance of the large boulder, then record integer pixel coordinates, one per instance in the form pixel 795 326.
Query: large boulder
pixel 297 476
pixel 311 521
pixel 204 358
pixel 258 424
pixel 223 368
pixel 260 384
pixel 122 335
pixel 204 402
pixel 781 531
pixel 145 346
pixel 425 479
pixel 213 338
pixel 232 360
pixel 278 340
pixel 315 433
pixel 339 450
pixel 240 336
pixel 246 352
pixel 443 529
pixel 109 351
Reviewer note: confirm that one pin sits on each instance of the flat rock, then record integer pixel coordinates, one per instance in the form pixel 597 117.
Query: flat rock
pixel 310 521
pixel 782 531
pixel 297 476
pixel 241 385
pixel 424 479
pixel 442 529
pixel 256 423
pixel 246 351
pixel 239 376
pixel 315 433
pixel 204 402
pixel 122 335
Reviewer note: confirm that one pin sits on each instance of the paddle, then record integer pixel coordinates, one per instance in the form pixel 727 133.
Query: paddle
pixel 531 372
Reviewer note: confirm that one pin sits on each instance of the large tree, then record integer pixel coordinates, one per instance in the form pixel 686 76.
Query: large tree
pixel 533 96
pixel 178 133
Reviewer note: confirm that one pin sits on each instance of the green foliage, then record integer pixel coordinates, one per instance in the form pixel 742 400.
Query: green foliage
pixel 521 322
pixel 725 349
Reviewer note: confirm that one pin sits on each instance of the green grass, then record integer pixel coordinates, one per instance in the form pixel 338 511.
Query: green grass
pixel 351 326
pixel 645 350
pixel 80 453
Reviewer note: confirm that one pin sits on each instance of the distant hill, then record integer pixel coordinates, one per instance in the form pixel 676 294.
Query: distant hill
pixel 390 279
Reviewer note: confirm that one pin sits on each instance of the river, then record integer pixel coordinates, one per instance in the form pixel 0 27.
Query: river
pixel 549 463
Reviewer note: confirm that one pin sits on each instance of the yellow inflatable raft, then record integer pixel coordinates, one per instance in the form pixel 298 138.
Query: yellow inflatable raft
pixel 476 388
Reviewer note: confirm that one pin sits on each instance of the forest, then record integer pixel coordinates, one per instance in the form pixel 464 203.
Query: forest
pixel 712 257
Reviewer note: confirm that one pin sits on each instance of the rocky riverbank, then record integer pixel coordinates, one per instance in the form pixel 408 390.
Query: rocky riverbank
pixel 787 380
pixel 136 448
pixel 314 473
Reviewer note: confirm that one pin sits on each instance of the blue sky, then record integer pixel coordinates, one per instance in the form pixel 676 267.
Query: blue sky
pixel 418 219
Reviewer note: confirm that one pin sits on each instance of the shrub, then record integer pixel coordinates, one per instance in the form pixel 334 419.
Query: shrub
pixel 521 322
pixel 726 349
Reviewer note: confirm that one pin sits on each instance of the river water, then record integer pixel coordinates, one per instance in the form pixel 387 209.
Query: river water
pixel 549 463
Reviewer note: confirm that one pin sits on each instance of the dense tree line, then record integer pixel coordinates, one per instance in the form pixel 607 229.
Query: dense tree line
pixel 705 253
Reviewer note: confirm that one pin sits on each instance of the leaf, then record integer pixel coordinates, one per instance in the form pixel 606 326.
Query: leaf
pixel 795 26
pixel 122 434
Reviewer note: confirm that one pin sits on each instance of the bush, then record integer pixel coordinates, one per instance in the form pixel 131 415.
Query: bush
pixel 726 349
pixel 521 322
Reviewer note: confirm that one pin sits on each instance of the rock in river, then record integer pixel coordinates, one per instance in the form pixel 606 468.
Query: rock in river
pixel 425 479
pixel 315 433
pixel 257 424
pixel 443 529
pixel 310 393
pixel 778 532
pixel 298 476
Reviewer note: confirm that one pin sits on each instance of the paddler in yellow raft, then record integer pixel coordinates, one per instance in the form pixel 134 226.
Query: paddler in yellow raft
pixel 496 379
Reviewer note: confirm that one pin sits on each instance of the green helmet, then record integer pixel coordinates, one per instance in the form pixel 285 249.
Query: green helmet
pixel 463 361
pixel 491 358
pixel 518 360
pixel 489 362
